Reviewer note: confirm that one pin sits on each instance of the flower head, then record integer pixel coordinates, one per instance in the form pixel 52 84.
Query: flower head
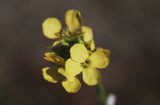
pixel 77 53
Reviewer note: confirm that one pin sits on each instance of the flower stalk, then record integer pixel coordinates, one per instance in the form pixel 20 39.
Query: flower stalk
pixel 102 93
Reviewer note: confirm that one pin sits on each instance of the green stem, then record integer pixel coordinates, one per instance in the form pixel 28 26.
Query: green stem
pixel 102 93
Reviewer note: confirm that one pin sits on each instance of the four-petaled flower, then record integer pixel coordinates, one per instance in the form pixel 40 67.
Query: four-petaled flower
pixel 52 29
pixel 83 61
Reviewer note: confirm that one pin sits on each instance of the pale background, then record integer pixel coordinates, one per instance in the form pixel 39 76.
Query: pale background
pixel 129 28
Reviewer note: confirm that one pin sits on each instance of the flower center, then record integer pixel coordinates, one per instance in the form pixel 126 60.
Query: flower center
pixel 65 33
pixel 85 64
pixel 68 36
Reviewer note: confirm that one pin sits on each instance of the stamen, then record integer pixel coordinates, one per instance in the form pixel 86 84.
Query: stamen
pixel 85 64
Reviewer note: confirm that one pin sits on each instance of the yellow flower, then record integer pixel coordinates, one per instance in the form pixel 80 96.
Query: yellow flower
pixel 71 84
pixel 52 27
pixel 82 61
pixel 51 57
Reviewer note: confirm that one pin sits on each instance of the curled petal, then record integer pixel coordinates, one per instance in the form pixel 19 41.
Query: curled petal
pixel 100 58
pixel 73 68
pixel 88 37
pixel 51 74
pixel 51 27
pixel 55 43
pixel 73 20
pixel 71 86
pixel 51 57
pixel 79 53
pixel 91 76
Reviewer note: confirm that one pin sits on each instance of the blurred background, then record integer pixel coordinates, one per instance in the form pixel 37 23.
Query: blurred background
pixel 129 28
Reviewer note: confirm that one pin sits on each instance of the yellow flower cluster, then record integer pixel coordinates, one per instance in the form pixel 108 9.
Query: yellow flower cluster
pixel 78 53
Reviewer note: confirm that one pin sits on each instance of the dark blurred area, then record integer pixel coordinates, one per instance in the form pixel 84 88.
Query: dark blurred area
pixel 129 28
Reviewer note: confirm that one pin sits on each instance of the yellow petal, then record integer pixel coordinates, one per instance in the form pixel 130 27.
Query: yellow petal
pixel 88 37
pixel 51 74
pixel 91 76
pixel 51 27
pixel 100 58
pixel 51 57
pixel 71 86
pixel 73 68
pixel 79 53
pixel 87 33
pixel 73 20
